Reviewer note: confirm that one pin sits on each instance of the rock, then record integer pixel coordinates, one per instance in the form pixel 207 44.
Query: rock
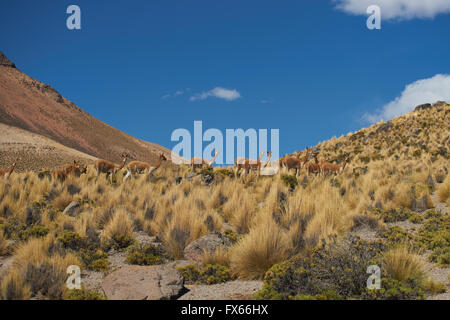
pixel 143 283
pixel 424 106
pixel 4 61
pixel 72 209
pixel 145 240
pixel 232 290
pixel 209 243
pixel 419 205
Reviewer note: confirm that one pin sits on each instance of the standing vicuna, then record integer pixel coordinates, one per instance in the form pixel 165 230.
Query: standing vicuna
pixel 334 168
pixel 104 166
pixel 197 162
pixel 138 167
pixel 296 163
pixel 313 167
pixel 7 173
pixel 247 164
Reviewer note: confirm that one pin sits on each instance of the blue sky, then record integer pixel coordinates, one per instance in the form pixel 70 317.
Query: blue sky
pixel 304 67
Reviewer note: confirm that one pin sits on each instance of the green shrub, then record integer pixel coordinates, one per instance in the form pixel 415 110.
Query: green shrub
pixel 144 256
pixel 33 232
pixel 393 215
pixel 231 235
pixel 119 242
pixel 395 236
pixel 71 240
pixel 209 274
pixel 190 273
pixel 213 273
pixel 396 290
pixel 84 294
pixel 416 218
pixel 339 267
pixel 94 259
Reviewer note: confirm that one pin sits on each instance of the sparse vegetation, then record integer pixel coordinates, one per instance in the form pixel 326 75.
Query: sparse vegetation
pixel 209 274
pixel 279 221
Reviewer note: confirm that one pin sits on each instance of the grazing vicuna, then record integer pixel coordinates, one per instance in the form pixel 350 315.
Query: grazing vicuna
pixel 296 163
pixel 61 174
pixel 70 167
pixel 197 162
pixel 104 166
pixel 138 167
pixel 7 173
pixel 247 164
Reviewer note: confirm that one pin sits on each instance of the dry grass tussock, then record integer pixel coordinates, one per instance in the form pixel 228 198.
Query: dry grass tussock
pixel 275 217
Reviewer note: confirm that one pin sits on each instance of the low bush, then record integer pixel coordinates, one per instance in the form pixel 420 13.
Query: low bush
pixel 144 256
pixel 209 274
pixel 338 267
pixel 84 294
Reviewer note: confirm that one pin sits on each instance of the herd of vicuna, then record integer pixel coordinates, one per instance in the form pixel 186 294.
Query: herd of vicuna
pixel 242 166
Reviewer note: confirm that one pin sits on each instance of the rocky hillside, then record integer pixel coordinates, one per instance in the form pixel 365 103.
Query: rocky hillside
pixel 424 132
pixel 37 107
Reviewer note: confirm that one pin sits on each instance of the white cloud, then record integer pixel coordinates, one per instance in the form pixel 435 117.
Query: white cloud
pixel 397 9
pixel 419 92
pixel 218 92
pixel 176 94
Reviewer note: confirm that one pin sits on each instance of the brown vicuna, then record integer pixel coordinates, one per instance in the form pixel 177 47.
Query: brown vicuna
pixel 313 167
pixel 289 162
pixel 197 162
pixel 247 164
pixel 104 166
pixel 70 167
pixel 333 168
pixel 7 173
pixel 61 174
pixel 138 167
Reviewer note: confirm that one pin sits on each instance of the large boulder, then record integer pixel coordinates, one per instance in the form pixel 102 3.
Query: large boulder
pixel 209 243
pixel 143 283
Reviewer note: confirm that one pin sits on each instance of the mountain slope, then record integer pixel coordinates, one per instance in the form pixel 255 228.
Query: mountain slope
pixel 33 151
pixel 34 106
